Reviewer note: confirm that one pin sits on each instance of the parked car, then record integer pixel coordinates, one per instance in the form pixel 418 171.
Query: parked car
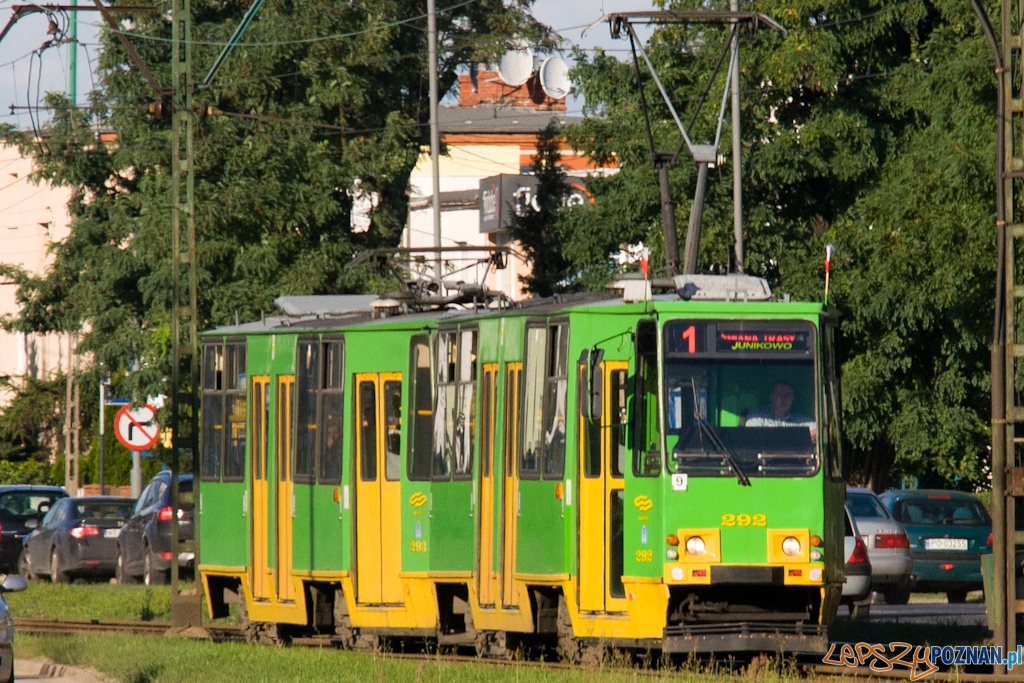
pixel 144 546
pixel 948 532
pixel 10 584
pixel 21 508
pixel 887 543
pixel 857 589
pixel 77 537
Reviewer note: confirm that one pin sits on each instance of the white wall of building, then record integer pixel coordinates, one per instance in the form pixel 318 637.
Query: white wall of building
pixel 32 217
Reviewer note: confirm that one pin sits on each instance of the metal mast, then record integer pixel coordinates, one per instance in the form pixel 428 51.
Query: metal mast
pixel 435 137
pixel 185 610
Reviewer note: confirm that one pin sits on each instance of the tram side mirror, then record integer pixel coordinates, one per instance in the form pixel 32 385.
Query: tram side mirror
pixel 583 383
pixel 652 461
pixel 596 384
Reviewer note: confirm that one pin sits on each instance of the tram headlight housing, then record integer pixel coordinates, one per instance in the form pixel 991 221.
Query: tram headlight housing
pixel 791 546
pixel 695 545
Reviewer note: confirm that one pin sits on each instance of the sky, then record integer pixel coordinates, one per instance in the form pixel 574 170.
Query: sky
pixel 28 71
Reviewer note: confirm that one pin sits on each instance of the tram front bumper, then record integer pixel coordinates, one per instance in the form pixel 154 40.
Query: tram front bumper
pixel 745 636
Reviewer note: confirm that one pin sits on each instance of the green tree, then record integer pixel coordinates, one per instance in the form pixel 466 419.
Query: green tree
pixel 317 95
pixel 867 126
pixel 538 230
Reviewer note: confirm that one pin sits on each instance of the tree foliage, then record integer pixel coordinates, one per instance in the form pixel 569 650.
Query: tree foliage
pixel 272 183
pixel 869 125
pixel 539 230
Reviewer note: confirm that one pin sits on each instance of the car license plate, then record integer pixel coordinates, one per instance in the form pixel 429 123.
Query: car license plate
pixel 111 533
pixel 945 544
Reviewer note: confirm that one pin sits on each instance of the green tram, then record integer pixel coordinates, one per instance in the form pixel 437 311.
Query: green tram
pixel 589 470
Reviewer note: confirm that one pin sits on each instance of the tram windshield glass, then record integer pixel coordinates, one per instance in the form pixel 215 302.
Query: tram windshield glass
pixel 740 398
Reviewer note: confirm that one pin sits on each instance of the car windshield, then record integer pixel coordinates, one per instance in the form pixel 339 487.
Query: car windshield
pixel 865 505
pixel 740 392
pixel 26 503
pixel 941 509
pixel 104 510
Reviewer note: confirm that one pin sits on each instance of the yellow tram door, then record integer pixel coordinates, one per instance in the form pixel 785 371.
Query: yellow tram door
pixel 485 532
pixel 602 468
pixel 510 489
pixel 284 500
pixel 378 488
pixel 260 571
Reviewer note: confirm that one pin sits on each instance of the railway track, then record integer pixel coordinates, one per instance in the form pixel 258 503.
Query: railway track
pixel 221 633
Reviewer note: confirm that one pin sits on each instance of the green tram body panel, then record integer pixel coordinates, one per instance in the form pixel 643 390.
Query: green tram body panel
pixel 439 513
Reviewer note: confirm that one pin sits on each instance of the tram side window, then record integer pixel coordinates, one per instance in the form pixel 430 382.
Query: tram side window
pixel 222 452
pixel 330 411
pixel 646 446
pixel 465 420
pixel 234 453
pixel 212 412
pixel 367 431
pixel 393 435
pixel 420 447
pixel 556 383
pixel 832 407
pixel 455 405
pixel 590 430
pixel 533 407
pixel 307 371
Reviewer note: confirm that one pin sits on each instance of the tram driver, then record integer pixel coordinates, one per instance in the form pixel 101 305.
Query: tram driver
pixel 778 412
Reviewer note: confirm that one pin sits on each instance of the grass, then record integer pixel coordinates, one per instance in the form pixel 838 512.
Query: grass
pixel 135 659
pixel 106 602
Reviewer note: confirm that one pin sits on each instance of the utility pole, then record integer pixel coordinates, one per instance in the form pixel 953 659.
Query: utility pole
pixel 72 423
pixel 737 151
pixel 73 58
pixel 435 137
pixel 186 610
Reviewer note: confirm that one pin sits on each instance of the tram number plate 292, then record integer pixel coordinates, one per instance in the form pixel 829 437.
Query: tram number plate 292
pixel 744 520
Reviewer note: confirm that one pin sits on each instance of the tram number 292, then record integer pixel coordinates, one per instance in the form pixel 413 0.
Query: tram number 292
pixel 744 520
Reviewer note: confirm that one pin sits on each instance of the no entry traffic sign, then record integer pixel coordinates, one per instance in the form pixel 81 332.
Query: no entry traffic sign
pixel 137 429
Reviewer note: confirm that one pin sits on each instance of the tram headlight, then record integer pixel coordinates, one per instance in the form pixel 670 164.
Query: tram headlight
pixel 695 545
pixel 791 546
pixel 672 554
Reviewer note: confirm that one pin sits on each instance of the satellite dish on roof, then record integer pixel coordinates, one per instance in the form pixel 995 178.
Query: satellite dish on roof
pixel 516 66
pixel 554 78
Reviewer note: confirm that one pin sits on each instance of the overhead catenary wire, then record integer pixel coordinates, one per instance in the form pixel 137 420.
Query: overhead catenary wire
pixel 298 41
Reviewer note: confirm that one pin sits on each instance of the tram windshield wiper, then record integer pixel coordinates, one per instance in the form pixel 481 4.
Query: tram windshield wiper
pixel 707 430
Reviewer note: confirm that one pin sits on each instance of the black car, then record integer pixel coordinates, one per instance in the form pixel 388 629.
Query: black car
pixel 21 508
pixel 77 537
pixel 144 546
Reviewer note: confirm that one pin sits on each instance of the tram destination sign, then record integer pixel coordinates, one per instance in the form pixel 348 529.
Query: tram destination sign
pixel 726 338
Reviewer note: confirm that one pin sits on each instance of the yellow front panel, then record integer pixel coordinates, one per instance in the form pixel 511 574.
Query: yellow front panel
pixel 712 545
pixel 509 591
pixel 368 521
pixel 485 567
pixel 285 392
pixel 390 534
pixel 775 552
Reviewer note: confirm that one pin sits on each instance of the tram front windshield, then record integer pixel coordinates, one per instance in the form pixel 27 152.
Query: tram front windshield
pixel 740 399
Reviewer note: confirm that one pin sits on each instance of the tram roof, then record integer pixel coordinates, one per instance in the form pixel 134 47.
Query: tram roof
pixel 331 312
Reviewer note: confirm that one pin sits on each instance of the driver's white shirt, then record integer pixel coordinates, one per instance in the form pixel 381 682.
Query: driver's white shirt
pixel 763 418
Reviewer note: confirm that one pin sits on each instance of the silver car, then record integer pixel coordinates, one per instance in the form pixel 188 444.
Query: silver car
pixel 11 583
pixel 857 589
pixel 887 544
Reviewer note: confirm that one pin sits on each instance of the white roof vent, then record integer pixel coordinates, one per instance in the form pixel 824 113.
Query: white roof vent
pixel 734 287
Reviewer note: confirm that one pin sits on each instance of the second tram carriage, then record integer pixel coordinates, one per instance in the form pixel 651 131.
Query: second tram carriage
pixel 578 470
